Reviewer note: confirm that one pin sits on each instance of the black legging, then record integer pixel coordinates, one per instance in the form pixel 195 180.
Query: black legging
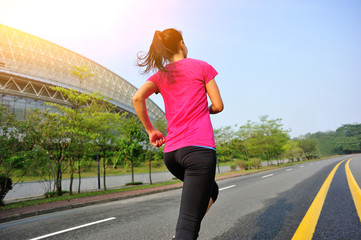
pixel 196 167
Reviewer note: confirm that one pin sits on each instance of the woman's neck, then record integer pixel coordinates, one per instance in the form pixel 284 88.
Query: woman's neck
pixel 176 58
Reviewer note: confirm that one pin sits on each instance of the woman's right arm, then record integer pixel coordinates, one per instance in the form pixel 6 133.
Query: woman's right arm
pixel 215 97
pixel 156 138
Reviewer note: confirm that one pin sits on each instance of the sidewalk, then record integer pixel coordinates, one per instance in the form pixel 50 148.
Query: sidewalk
pixel 28 211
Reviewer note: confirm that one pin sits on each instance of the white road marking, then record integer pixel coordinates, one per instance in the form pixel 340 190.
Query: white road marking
pixel 302 166
pixel 227 187
pixel 74 228
pixel 290 169
pixel 269 175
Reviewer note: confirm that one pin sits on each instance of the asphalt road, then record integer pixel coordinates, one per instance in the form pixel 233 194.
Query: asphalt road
pixel 268 205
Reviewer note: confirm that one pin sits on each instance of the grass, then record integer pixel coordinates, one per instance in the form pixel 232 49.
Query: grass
pixel 129 188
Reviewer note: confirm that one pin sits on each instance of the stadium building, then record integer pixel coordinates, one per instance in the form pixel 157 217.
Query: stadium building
pixel 29 66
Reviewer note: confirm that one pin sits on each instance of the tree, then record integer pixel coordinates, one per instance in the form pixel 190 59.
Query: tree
pixel 348 139
pixel 53 141
pixel 82 73
pixel 76 125
pixel 223 138
pixel 244 134
pixel 73 116
pixel 349 130
pixel 105 128
pixel 269 137
pixel 14 151
pixel 291 150
pixel 131 141
pixel 309 147
pixel 153 153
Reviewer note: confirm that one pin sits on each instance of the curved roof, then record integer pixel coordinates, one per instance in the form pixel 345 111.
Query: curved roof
pixel 29 65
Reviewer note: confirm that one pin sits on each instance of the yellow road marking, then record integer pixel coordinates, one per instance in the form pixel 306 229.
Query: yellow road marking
pixel 355 189
pixel 307 227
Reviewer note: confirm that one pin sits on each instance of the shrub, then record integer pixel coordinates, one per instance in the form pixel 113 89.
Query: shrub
pixel 133 183
pixel 249 165
pixel 257 163
pixel 233 166
pixel 157 163
pixel 53 194
pixel 242 164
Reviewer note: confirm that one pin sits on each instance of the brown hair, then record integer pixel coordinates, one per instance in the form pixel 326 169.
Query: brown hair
pixel 164 45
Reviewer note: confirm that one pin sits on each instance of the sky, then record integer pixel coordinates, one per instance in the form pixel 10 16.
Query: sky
pixel 295 60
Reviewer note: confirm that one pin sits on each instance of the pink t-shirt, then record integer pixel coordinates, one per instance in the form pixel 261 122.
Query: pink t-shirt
pixel 186 106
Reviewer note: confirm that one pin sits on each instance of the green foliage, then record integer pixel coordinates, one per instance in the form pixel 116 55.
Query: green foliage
pixel 15 149
pixel 242 164
pixel 131 141
pixel 345 140
pixel 225 145
pixel 268 138
pixel 309 147
pixel 291 150
pixel 133 183
pixel 161 125
pixel 53 144
pixel 233 166
pixel 348 139
pixel 255 163
pixel 264 140
pixel 82 73
pixel 51 194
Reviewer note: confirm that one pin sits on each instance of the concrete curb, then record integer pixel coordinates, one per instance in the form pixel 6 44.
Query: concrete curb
pixel 103 199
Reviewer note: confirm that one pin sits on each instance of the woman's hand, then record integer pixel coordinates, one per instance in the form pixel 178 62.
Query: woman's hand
pixel 156 138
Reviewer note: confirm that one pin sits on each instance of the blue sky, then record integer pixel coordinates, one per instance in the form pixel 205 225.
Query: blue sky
pixel 295 60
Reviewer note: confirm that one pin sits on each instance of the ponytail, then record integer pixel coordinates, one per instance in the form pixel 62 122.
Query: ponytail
pixel 164 45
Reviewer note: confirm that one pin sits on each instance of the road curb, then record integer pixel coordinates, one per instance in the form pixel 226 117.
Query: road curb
pixel 68 206
pixel 88 201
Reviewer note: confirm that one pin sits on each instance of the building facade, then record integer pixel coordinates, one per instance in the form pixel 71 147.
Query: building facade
pixel 29 66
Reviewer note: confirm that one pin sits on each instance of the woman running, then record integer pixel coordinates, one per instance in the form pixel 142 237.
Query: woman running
pixel 189 151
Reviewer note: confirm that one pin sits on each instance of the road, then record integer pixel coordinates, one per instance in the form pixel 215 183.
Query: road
pixel 268 205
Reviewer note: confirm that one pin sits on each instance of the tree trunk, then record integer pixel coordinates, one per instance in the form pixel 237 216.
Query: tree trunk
pixel 71 176
pixel 245 148
pixel 150 171
pixel 71 181
pixel 79 176
pixel 104 174
pixel 131 161
pixel 58 180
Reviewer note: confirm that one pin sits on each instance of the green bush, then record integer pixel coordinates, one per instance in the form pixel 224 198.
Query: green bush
pixel 133 183
pixel 242 164
pixel 157 163
pixel 256 163
pixel 233 166
pixel 53 194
